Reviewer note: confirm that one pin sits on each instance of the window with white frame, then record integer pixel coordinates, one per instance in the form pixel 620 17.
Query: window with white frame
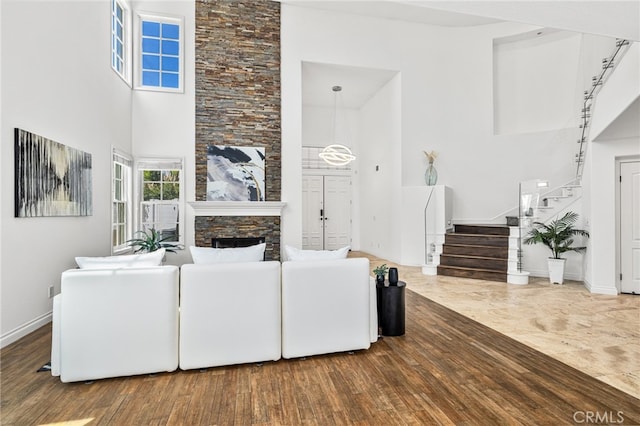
pixel 120 40
pixel 121 211
pixel 160 183
pixel 159 59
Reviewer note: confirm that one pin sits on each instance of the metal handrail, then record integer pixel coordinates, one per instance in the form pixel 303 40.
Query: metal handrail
pixel 608 64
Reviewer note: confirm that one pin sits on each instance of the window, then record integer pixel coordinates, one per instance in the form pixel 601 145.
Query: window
pixel 121 202
pixel 159 62
pixel 160 197
pixel 120 40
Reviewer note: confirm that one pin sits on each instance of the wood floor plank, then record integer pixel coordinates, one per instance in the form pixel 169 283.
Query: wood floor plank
pixel 447 369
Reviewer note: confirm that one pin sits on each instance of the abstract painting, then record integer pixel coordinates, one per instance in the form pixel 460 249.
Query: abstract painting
pixel 51 179
pixel 235 173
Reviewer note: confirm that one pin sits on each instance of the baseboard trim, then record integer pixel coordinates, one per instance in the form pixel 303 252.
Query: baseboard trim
pixel 23 330
pixel 545 274
pixel 601 290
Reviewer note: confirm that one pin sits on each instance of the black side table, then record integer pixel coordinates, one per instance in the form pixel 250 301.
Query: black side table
pixel 391 308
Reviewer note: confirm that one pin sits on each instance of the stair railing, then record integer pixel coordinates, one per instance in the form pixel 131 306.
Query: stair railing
pixel 512 211
pixel 608 65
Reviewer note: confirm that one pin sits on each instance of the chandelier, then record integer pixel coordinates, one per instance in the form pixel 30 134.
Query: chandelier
pixel 336 154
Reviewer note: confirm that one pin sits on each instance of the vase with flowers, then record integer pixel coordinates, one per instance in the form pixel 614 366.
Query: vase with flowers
pixel 431 175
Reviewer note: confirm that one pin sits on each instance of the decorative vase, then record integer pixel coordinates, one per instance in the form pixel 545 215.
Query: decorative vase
pixel 431 175
pixel 393 276
pixel 379 279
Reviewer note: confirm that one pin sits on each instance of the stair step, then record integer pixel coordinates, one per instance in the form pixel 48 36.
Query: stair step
pixel 475 262
pixel 475 273
pixel 475 250
pixel 478 251
pixel 482 229
pixel 477 239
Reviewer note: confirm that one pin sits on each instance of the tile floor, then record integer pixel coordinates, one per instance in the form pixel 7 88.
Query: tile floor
pixel 597 334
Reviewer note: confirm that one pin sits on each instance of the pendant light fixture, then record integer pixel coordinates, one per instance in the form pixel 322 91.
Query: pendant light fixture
pixel 336 154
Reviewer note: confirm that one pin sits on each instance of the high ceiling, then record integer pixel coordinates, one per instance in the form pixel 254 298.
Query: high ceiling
pixel 620 19
pixel 358 84
pixel 398 10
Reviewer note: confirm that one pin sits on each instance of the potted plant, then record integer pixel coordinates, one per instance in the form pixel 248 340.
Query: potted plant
pixel 380 272
pixel 150 240
pixel 558 237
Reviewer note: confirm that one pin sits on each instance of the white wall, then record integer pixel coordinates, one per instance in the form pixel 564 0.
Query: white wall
pixel 535 82
pixel 2 180
pixel 602 268
pixel 621 90
pixel 57 83
pixel 380 173
pixel 164 123
pixel 446 104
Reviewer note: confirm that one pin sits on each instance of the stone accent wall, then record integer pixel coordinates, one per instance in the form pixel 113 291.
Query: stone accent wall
pixel 238 100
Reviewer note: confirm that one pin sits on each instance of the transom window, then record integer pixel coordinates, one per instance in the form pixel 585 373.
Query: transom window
pixel 160 57
pixel 120 40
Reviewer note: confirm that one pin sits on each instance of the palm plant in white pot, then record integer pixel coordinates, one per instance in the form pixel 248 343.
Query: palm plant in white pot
pixel 150 240
pixel 558 236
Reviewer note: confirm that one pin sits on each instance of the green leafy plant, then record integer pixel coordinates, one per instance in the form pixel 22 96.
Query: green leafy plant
pixel 557 235
pixel 151 240
pixel 381 270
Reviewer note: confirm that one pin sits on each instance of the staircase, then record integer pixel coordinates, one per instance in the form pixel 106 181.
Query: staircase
pixel 476 251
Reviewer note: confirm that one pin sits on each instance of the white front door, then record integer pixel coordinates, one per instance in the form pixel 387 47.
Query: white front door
pixel 337 214
pixel 312 213
pixel 326 212
pixel 630 227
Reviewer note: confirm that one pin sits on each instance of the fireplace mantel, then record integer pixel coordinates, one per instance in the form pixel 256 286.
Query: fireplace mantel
pixel 237 208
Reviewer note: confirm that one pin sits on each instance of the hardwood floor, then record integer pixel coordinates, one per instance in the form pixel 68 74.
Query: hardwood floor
pixel 595 333
pixel 447 369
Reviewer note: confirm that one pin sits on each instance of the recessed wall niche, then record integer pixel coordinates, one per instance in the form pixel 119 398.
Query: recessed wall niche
pixel 534 81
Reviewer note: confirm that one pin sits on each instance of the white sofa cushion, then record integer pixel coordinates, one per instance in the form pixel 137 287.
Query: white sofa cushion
pixel 209 255
pixel 115 322
pixel 229 314
pixel 326 306
pixel 296 254
pixel 125 261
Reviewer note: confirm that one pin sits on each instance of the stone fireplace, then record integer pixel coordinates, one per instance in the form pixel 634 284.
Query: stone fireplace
pixel 238 104
pixel 239 220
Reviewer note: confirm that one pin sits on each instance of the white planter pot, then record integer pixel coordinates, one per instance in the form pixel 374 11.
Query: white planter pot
pixel 556 270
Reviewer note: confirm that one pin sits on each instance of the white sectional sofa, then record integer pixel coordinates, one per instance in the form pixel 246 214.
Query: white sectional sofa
pixel 120 320
pixel 229 313
pixel 327 306
pixel 115 322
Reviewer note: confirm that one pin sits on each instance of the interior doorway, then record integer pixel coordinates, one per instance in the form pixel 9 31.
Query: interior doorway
pixel 326 212
pixel 629 236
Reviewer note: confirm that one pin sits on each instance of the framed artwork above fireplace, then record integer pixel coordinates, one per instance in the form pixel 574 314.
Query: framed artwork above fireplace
pixel 235 173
